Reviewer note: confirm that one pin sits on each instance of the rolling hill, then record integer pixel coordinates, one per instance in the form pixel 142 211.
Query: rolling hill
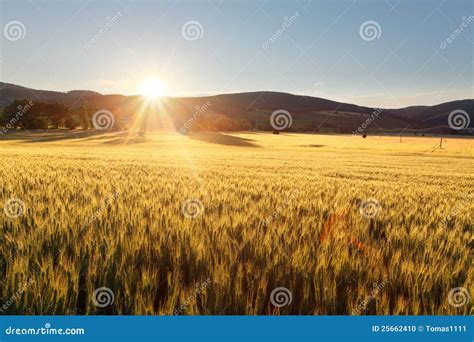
pixel 309 114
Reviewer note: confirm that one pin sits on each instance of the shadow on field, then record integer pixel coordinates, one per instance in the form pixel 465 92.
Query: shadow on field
pixel 48 135
pixel 127 140
pixel 312 145
pixel 105 137
pixel 222 139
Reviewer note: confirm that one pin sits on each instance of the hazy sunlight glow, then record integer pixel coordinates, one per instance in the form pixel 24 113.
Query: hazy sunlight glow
pixel 152 88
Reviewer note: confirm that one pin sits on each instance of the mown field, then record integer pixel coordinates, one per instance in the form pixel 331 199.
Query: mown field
pixel 214 223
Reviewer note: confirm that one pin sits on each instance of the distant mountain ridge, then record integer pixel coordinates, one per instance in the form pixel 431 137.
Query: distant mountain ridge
pixel 308 113
pixel 10 92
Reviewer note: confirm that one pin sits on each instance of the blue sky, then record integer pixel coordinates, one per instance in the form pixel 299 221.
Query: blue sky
pixel 320 52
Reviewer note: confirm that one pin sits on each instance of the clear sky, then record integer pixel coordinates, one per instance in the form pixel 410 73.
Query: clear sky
pixel 321 50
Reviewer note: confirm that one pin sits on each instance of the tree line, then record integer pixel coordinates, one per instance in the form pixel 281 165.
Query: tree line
pixel 26 114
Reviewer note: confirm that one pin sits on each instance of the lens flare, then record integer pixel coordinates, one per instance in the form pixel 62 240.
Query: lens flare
pixel 152 88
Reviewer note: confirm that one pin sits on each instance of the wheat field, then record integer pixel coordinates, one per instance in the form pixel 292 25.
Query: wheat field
pixel 219 223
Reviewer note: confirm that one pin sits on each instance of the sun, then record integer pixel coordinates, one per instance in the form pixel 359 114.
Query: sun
pixel 152 88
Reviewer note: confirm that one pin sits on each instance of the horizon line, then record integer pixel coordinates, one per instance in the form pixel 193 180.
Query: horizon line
pixel 236 92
